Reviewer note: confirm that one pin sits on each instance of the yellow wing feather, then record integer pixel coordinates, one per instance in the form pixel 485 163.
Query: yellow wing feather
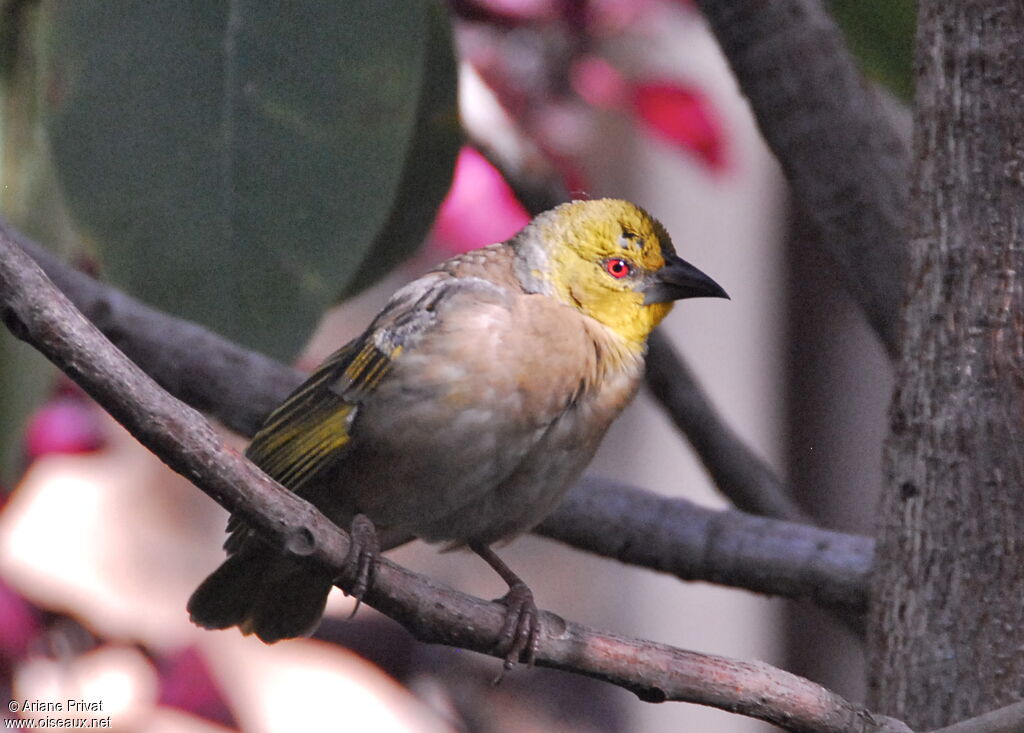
pixel 309 431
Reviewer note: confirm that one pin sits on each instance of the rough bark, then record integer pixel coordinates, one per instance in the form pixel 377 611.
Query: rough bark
pixel 947 621
pixel 746 480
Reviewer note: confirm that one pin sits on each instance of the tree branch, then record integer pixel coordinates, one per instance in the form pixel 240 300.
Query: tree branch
pixel 240 387
pixel 739 474
pixel 726 547
pixel 38 313
pixel 1009 719
pixel 846 164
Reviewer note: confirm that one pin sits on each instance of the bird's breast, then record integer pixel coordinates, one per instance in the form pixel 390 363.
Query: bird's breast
pixel 483 423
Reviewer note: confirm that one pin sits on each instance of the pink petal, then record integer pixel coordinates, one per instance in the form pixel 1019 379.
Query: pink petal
pixel 66 424
pixel 682 116
pixel 607 17
pixel 506 12
pixel 598 83
pixel 186 684
pixel 19 624
pixel 480 207
pixel 575 180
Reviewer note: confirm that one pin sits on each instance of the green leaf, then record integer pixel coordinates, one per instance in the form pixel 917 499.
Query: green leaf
pixel 25 379
pixel 239 163
pixel 433 149
pixel 881 35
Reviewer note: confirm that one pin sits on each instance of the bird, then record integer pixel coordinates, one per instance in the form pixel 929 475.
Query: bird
pixel 463 413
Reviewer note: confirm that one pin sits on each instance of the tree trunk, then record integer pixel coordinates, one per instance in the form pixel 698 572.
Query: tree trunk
pixel 947 621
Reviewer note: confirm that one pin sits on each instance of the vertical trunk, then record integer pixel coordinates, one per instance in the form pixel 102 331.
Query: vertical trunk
pixel 947 622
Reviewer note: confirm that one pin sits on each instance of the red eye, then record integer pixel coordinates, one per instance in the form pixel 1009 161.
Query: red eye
pixel 617 267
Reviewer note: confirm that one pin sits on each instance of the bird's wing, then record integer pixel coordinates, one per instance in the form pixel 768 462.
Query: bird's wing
pixel 312 426
pixel 309 431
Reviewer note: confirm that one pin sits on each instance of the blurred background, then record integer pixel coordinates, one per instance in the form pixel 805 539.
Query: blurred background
pixel 275 174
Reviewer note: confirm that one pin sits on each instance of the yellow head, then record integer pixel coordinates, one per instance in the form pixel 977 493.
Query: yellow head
pixel 611 260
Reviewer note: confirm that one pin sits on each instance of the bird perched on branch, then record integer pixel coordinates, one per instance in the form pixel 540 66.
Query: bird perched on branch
pixel 463 413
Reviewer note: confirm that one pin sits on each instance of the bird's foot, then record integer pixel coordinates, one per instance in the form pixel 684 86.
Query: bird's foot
pixel 361 561
pixel 520 633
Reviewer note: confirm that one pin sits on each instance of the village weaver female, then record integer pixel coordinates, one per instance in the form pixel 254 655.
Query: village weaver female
pixel 464 412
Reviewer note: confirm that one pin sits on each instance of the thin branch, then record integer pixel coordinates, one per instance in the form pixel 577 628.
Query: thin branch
pixel 38 313
pixel 846 164
pixel 1009 719
pixel 737 472
pixel 240 387
pixel 726 547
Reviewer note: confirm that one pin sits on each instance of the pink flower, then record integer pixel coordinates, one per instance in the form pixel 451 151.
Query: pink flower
pixel 608 17
pixel 19 624
pixel 186 684
pixel 480 207
pixel 65 424
pixel 682 116
pixel 678 114
pixel 506 12
pixel 598 83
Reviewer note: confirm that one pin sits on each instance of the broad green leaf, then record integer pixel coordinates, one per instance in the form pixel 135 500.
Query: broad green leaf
pixel 25 379
pixel 433 149
pixel 881 34
pixel 238 163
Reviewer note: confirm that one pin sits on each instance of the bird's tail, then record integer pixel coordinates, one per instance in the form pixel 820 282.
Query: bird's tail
pixel 263 594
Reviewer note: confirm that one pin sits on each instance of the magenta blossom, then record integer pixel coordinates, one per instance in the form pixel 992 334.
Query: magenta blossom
pixel 480 207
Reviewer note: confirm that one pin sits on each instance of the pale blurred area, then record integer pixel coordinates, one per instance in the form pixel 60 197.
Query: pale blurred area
pixel 116 542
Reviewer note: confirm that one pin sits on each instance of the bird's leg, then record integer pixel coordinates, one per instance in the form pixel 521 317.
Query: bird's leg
pixel 362 557
pixel 520 632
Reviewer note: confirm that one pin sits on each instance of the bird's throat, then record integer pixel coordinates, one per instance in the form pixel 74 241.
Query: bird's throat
pixel 628 319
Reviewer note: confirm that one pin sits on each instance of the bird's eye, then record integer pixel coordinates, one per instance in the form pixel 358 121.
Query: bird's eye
pixel 617 267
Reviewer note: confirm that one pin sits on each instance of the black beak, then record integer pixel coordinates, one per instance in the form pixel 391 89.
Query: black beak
pixel 679 279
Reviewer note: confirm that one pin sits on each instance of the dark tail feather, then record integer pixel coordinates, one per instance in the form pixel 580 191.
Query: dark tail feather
pixel 262 594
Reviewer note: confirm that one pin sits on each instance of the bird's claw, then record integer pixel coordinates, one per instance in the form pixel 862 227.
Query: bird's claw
pixel 361 561
pixel 520 633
